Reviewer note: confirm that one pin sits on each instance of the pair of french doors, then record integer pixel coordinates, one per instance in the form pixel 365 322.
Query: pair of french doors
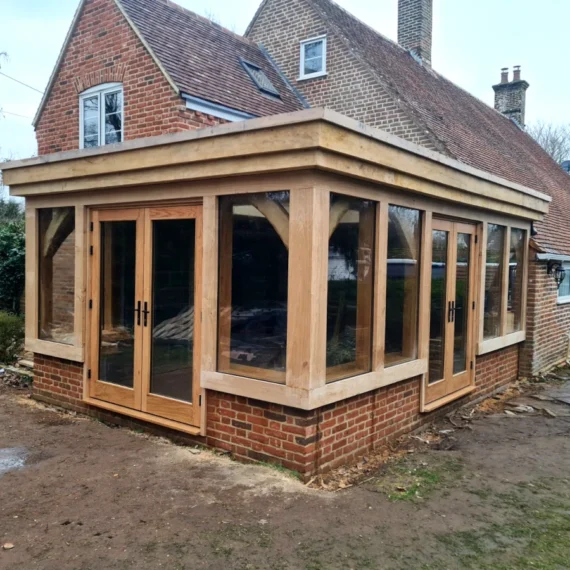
pixel 451 341
pixel 146 269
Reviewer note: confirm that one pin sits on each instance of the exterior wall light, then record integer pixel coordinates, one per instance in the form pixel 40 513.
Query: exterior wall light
pixel 556 269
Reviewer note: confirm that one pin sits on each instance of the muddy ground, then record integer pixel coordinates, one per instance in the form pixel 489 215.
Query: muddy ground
pixel 77 494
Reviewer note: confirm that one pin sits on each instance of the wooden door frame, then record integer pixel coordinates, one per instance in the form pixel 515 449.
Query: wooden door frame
pixel 453 385
pixel 171 408
pixel 98 389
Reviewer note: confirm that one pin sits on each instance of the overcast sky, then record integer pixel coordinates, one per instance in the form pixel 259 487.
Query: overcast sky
pixel 473 39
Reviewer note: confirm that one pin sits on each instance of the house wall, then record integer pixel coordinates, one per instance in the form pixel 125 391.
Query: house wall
pixel 548 323
pixel 349 86
pixel 305 441
pixel 104 48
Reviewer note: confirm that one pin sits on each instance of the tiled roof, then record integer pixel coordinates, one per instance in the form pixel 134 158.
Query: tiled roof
pixel 461 125
pixel 203 59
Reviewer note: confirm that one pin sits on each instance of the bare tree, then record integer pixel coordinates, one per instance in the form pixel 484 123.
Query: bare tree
pixel 553 138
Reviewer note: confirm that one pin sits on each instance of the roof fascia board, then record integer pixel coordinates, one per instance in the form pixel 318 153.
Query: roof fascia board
pixel 55 70
pixel 147 47
pixel 215 109
pixel 552 257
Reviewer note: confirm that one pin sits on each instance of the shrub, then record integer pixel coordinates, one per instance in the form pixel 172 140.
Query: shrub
pixel 11 337
pixel 12 265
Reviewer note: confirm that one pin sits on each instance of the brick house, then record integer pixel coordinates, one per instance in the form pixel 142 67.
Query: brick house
pixel 309 351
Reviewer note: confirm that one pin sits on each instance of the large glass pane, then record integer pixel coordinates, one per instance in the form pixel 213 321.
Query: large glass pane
pixel 564 289
pixel 91 122
pixel 402 287
pixel 494 280
pixel 173 308
pixel 254 258
pixel 113 117
pixel 117 303
pixel 516 261
pixel 438 307
pixel 56 270
pixel 461 312
pixel 350 286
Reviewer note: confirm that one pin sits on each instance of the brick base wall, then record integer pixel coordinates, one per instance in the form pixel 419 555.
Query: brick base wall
pixel 305 441
pixel 548 323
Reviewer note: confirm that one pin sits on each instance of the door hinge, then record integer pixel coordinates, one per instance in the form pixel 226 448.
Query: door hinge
pixel 89 374
pixel 476 239
pixel 200 400
pixel 90 250
pixel 91 227
pixel 90 303
pixel 472 366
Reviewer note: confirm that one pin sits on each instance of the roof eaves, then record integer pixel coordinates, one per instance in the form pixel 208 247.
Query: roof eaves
pixel 215 109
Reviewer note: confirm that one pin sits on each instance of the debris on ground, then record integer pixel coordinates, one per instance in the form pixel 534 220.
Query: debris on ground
pixel 15 377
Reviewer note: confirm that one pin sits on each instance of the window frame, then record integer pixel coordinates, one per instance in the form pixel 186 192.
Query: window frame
pixel 564 299
pixel 100 91
pixel 504 339
pixel 323 72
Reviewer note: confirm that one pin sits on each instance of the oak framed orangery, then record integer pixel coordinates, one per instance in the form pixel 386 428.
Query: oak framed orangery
pixel 299 288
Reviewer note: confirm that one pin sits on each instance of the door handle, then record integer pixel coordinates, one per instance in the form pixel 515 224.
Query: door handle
pixel 451 312
pixel 138 312
pixel 146 313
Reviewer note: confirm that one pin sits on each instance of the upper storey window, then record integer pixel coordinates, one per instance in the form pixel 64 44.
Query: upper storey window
pixel 313 58
pixel 101 118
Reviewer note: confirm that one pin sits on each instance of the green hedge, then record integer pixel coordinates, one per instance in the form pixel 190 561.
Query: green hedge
pixel 11 337
pixel 12 265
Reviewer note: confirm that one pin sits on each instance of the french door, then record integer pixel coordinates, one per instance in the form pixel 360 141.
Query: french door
pixel 451 340
pixel 145 310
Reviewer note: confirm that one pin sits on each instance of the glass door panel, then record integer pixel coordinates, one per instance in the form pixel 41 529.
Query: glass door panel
pixel 438 305
pixel 461 309
pixel 173 308
pixel 115 331
pixel 117 308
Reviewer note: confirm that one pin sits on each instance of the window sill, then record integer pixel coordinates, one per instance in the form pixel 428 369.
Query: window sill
pixel 48 348
pixel 500 342
pixel 563 301
pixel 312 76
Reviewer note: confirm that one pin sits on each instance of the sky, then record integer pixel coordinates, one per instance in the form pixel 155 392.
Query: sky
pixel 473 40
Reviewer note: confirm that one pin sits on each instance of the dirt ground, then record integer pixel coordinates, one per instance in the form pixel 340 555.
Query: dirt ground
pixel 76 494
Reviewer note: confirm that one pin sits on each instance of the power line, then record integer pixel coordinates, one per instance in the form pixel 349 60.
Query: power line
pixel 2 112
pixel 22 83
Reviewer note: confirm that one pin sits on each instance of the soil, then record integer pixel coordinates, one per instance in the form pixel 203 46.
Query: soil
pixel 76 494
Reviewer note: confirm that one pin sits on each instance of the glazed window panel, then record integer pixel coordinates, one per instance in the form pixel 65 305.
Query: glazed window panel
pixel 515 288
pixel 494 267
pixel 350 287
pixel 564 289
pixel 402 285
pixel 253 281
pixel 56 274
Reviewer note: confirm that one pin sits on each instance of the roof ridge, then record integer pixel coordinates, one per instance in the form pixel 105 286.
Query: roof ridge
pixel 175 6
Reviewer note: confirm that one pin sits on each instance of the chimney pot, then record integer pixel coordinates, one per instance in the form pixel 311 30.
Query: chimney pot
pixel 517 74
pixel 415 27
pixel 505 75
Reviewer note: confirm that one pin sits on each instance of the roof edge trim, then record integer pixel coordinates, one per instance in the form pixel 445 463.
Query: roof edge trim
pixel 552 257
pixel 215 109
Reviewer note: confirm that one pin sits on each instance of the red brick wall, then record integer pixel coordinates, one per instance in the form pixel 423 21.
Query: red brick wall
pixel 548 323
pixel 349 87
pixel 104 48
pixel 304 441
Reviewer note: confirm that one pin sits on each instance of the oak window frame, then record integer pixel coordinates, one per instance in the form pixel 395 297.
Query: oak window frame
pixel 504 339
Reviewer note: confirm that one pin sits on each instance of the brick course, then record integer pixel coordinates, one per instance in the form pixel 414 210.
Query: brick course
pixel 104 48
pixel 305 441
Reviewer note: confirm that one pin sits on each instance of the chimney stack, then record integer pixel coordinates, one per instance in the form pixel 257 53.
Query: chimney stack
pixel 415 27
pixel 510 97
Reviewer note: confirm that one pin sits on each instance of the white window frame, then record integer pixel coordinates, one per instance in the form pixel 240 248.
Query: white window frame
pixel 323 71
pixel 564 299
pixel 100 91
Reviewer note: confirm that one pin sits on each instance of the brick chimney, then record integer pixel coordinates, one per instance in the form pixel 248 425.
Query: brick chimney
pixel 415 27
pixel 510 97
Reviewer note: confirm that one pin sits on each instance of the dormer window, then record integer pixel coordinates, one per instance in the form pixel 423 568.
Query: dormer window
pixel 101 115
pixel 313 58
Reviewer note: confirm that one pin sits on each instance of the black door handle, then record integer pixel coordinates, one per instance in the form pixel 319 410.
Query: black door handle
pixel 451 312
pixel 146 313
pixel 138 312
